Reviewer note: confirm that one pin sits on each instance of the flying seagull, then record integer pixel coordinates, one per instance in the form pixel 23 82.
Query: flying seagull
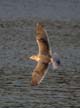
pixel 44 57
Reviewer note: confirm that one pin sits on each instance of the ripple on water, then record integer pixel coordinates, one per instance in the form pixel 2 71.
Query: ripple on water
pixel 60 88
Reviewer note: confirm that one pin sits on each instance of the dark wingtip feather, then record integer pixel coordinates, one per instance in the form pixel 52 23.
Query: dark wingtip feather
pixel 34 82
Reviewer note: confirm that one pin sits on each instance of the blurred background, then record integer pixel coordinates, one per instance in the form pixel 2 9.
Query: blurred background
pixel 60 88
pixel 50 9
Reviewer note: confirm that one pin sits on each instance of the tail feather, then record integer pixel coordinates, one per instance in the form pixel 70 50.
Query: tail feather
pixel 56 61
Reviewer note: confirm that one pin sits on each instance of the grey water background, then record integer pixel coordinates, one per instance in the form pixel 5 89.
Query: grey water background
pixel 60 88
pixel 52 9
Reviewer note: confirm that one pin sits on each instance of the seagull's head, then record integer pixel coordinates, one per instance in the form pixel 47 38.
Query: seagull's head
pixel 34 57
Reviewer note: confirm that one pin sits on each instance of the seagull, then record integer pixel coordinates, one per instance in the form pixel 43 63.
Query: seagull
pixel 44 56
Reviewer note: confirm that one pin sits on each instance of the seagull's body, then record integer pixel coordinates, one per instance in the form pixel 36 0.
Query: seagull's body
pixel 43 58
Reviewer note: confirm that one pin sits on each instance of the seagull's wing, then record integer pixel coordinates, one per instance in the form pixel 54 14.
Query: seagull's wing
pixel 39 73
pixel 42 39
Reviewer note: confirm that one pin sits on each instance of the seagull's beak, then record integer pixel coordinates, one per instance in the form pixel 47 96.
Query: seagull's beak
pixel 30 57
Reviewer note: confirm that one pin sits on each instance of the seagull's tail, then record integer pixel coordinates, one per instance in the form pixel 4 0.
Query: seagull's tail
pixel 56 61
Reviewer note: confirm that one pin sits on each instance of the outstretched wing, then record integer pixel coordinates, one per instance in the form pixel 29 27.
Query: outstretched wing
pixel 39 73
pixel 42 40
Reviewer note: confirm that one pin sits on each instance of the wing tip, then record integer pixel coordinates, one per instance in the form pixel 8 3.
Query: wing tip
pixel 35 79
pixel 34 83
pixel 40 24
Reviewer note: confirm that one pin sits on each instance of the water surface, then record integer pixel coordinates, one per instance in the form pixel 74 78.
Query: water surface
pixel 50 9
pixel 60 88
